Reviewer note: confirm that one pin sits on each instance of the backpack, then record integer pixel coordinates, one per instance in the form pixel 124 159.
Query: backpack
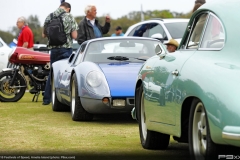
pixel 55 31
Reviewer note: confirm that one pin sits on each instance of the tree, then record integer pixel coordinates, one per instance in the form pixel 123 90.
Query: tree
pixel 6 36
pixel 124 21
pixel 35 25
pixel 158 14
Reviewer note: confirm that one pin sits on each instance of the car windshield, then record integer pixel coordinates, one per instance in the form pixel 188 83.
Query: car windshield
pixel 176 29
pixel 130 50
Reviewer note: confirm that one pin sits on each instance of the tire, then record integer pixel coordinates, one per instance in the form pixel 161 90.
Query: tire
pixel 77 111
pixel 149 139
pixel 201 145
pixel 56 104
pixel 11 94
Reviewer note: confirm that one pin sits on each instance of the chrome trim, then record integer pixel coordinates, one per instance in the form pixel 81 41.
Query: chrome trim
pixel 192 28
pixel 232 136
pixel 133 113
pixel 7 69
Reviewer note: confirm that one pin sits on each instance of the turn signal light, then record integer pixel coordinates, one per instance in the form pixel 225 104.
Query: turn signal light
pixel 105 100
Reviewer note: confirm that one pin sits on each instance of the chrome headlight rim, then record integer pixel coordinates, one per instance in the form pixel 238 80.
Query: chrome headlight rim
pixel 94 79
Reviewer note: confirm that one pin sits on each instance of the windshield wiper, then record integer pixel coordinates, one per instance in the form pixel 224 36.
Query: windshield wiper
pixel 121 58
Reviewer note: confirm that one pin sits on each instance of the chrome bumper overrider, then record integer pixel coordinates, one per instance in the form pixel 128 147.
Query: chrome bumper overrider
pixel 231 133
pixel 133 113
pixel 231 136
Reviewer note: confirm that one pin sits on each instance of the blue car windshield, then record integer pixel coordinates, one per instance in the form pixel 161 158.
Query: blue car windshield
pixel 133 49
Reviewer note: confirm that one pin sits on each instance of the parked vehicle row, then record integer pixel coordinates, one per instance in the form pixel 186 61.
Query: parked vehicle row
pixel 191 94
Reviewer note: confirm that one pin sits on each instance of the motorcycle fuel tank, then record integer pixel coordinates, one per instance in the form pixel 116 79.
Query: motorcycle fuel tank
pixel 27 56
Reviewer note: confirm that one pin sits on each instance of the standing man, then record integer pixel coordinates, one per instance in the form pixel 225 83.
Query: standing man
pixel 118 32
pixel 60 51
pixel 172 45
pixel 89 27
pixel 25 36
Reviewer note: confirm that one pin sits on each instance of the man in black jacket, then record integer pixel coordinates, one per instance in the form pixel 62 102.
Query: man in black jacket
pixel 89 27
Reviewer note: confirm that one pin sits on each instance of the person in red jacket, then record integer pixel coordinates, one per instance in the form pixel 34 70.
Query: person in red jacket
pixel 25 36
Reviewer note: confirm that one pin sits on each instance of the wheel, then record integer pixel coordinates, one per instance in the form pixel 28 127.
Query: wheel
pixel 56 104
pixel 200 144
pixel 77 111
pixel 14 94
pixel 149 139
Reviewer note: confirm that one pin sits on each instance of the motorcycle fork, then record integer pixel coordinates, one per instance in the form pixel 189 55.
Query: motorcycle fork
pixel 14 76
pixel 15 73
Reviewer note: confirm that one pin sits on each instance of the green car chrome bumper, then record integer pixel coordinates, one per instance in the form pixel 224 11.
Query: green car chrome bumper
pixel 231 133
pixel 133 113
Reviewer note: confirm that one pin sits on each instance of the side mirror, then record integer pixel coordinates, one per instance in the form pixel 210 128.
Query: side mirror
pixel 158 49
pixel 158 36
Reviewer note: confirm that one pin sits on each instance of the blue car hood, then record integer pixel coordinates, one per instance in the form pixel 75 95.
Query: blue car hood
pixel 121 78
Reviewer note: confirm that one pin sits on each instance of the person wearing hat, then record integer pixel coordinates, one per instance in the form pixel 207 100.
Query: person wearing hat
pixel 172 45
pixel 118 32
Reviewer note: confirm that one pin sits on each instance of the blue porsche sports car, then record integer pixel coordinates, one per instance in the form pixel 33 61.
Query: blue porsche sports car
pixel 100 77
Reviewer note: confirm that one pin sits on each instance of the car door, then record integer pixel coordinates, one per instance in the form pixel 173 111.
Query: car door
pixel 210 66
pixel 148 30
pixel 140 31
pixel 165 75
pixel 73 61
pixel 167 71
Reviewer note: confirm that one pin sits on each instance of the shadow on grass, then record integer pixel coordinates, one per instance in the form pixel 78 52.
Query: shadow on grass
pixel 114 118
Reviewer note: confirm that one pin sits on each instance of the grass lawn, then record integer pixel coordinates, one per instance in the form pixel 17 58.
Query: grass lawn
pixel 29 128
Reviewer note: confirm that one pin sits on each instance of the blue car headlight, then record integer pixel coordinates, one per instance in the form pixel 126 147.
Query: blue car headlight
pixel 94 79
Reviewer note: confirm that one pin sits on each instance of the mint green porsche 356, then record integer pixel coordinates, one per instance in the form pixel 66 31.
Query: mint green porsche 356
pixel 193 94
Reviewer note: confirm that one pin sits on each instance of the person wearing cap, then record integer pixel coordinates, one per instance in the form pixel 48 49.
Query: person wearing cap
pixel 118 32
pixel 61 51
pixel 172 45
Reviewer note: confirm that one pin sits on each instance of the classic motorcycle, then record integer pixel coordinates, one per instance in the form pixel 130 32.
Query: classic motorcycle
pixel 27 69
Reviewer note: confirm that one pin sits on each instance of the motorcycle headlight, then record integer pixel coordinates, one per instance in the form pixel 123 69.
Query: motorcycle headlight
pixel 94 79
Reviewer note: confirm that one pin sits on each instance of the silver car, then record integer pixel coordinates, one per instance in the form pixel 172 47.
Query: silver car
pixel 163 29
pixel 4 52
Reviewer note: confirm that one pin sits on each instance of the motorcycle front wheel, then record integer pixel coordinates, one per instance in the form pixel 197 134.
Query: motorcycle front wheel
pixel 11 93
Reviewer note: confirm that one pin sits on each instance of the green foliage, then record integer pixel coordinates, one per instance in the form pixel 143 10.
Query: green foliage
pixel 158 14
pixel 35 25
pixel 6 36
pixel 79 18
pixel 124 21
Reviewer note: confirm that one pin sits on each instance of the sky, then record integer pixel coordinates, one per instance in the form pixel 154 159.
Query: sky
pixel 12 9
